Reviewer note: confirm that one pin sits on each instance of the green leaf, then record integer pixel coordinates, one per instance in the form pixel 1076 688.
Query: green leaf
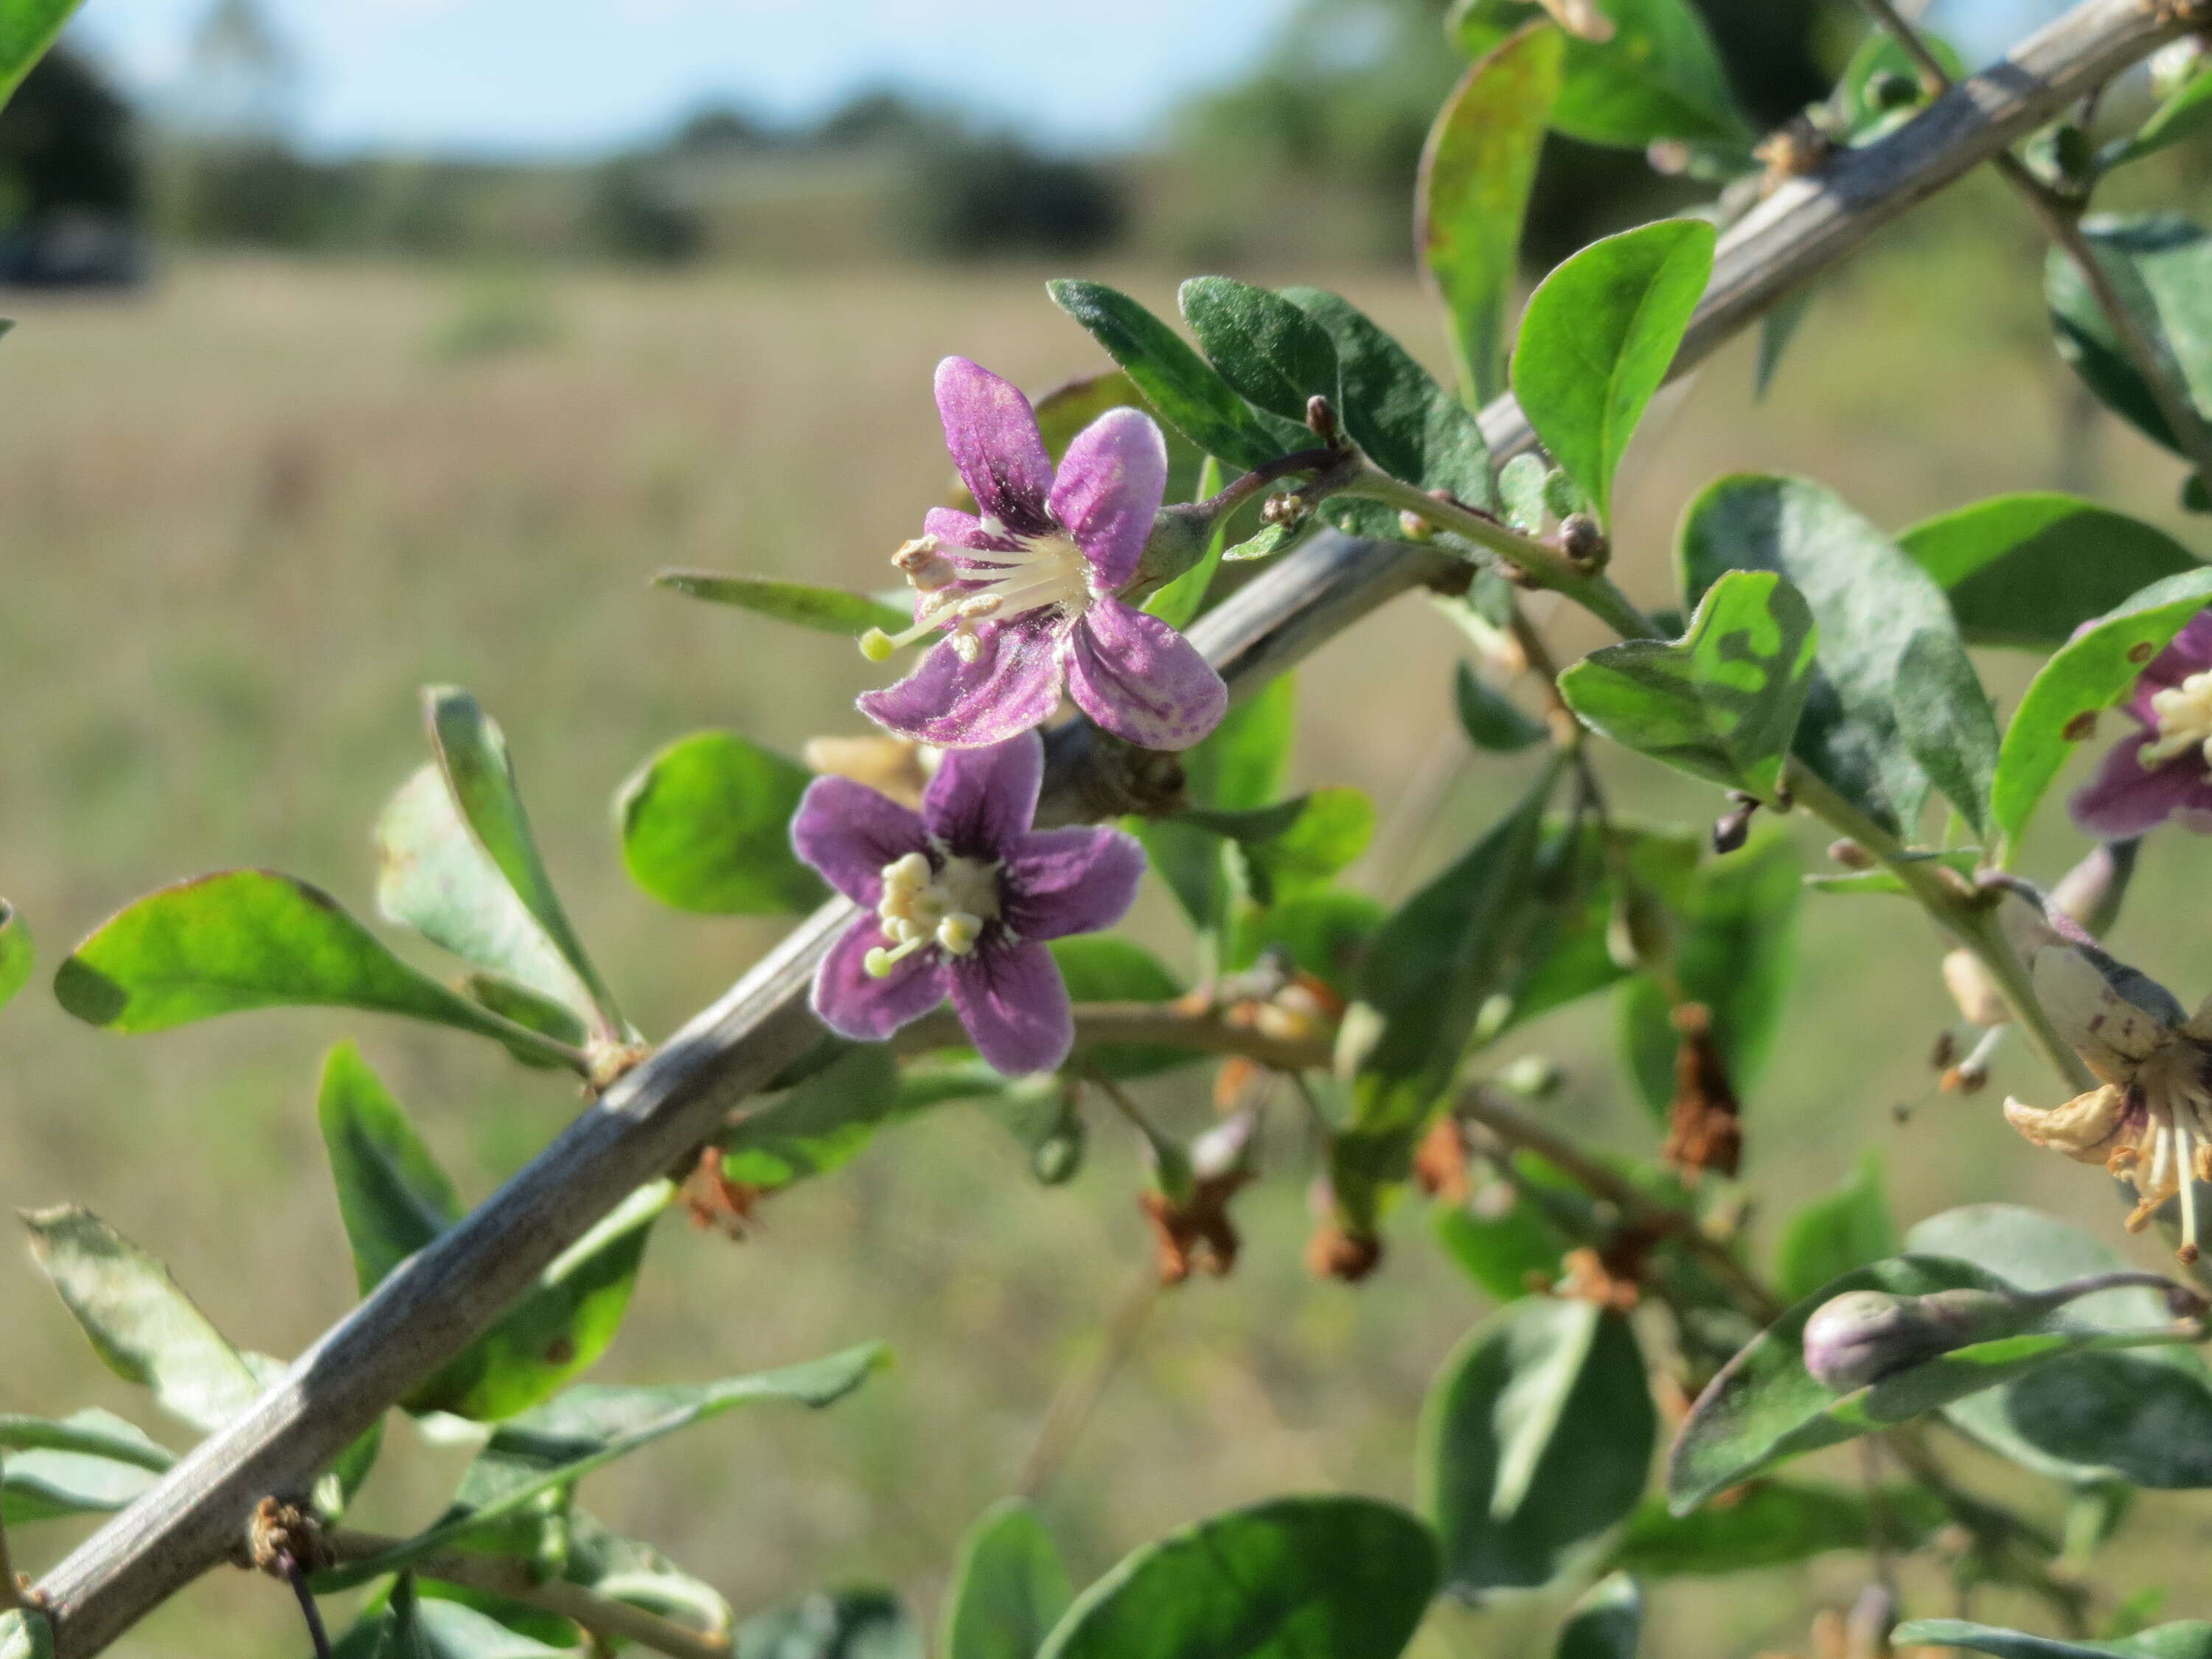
pixel 1597 339
pixel 518 1003
pixel 1605 1623
pixel 435 877
pixel 1502 1250
pixel 143 1328
pixel 91 1462
pixel 473 756
pixel 560 1326
pixel 17 954
pixel 2082 679
pixel 1491 719
pixel 706 826
pixel 1106 968
pixel 2189 1639
pixel 1735 953
pixel 1776 1524
pixel 1189 394
pixel 1776 329
pixel 1870 603
pixel 820 1125
pixel 25 1634
pixel 1394 409
pixel 1947 722
pixel 1574 956
pixel 1009 1587
pixel 1536 1439
pixel 1848 1229
pixel 1723 703
pixel 430 1626
pixel 1439 961
pixel 1242 765
pixel 825 609
pixel 2144 1417
pixel 1764 1408
pixel 393 1196
pixel 1346 1576
pixel 1659 76
pixel 1880 53
pixel 1268 349
pixel 2161 264
pixel 2028 569
pixel 1178 603
pixel 588 1427
pixel 856 1622
pixel 1471 197
pixel 2185 114
pixel 1325 934
pixel 28 29
pixel 242 939
pixel 1297 845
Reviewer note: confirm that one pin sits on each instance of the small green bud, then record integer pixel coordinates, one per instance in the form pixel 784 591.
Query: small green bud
pixel 1887 89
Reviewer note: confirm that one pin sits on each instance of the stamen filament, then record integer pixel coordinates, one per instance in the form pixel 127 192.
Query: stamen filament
pixel 878 962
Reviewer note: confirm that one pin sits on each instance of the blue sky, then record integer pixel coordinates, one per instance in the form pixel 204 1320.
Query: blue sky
pixel 563 76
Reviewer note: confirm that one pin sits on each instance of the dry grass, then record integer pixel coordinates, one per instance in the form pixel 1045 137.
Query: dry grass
pixel 248 513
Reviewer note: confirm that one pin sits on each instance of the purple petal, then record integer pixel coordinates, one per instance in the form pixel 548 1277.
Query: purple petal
pixel 1112 481
pixel 1012 685
pixel 963 530
pixel 2189 651
pixel 981 799
pixel 1060 882
pixel 992 431
pixel 1141 680
pixel 848 832
pixel 1014 1004
pixel 852 1004
pixel 2123 800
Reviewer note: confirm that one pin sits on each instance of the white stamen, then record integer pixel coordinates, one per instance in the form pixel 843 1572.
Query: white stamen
pixel 2184 722
pixel 2185 1158
pixel 1036 573
pixel 947 905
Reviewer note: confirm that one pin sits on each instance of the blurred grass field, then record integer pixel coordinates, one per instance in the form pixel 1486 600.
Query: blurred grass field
pixel 249 512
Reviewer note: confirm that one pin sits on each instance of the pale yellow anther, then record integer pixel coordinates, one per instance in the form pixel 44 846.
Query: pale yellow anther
pixel 957 932
pixel 2184 722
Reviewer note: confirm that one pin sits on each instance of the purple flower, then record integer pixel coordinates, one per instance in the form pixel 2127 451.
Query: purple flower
pixel 2164 769
pixel 1027 592
pixel 960 898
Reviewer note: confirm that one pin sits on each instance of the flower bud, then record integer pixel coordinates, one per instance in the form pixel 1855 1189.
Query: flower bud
pixel 2091 892
pixel 1862 1336
pixel 1178 541
pixel 1852 856
pixel 1887 89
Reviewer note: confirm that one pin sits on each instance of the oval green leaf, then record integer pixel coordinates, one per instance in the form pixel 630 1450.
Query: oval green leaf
pixel 2161 265
pixel 1188 392
pixel 1598 337
pixel 244 940
pixel 1009 1586
pixel 1472 195
pixel 392 1196
pixel 1658 76
pixel 2028 569
pixel 1268 349
pixel 1536 1439
pixel 2084 678
pixel 706 827
pixel 1723 703
pixel 1346 1577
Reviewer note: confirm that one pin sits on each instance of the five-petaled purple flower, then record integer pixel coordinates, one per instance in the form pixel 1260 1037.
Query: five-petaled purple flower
pixel 2164 771
pixel 1027 593
pixel 960 898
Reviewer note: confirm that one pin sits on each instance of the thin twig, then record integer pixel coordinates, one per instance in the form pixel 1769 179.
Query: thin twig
pixel 2061 221
pixel 317 1634
pixel 448 1294
pixel 1082 1390
pixel 509 1576
pixel 1515 1127
pixel 1172 1024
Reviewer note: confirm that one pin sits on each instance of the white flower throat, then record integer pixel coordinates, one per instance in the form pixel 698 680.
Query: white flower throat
pixel 947 906
pixel 2184 721
pixel 1037 573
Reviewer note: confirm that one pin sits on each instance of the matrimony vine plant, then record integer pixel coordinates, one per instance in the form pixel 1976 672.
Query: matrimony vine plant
pixel 1806 667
